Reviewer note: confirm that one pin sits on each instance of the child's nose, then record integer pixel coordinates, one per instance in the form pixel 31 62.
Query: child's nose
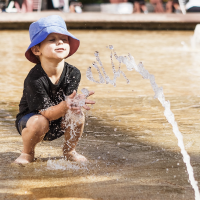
pixel 60 41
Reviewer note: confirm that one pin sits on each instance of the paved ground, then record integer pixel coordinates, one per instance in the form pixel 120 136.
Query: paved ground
pixel 132 151
pixel 105 21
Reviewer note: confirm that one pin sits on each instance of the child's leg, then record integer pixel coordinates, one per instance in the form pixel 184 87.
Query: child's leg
pixel 36 128
pixel 72 136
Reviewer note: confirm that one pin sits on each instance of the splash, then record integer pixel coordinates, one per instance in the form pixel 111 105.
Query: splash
pixel 85 92
pixel 105 78
pixel 195 39
pixel 72 119
pixel 130 65
pixel 63 164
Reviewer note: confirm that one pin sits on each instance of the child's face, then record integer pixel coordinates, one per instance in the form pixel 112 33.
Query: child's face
pixel 55 46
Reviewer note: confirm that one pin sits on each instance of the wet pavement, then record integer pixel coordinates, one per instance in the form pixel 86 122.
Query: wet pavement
pixel 132 151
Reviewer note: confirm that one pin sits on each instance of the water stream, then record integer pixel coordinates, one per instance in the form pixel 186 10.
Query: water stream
pixel 130 65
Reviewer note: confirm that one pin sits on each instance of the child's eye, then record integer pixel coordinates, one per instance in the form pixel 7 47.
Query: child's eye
pixel 51 39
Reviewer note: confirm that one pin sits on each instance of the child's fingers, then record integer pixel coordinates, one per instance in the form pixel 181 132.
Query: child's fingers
pixel 86 107
pixel 78 111
pixel 87 101
pixel 75 108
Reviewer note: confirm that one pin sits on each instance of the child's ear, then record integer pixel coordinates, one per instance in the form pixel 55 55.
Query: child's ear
pixel 36 50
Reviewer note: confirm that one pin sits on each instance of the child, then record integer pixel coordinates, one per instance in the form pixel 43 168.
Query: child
pixel 43 106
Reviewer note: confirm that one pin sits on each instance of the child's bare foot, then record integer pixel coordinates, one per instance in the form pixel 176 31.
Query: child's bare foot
pixel 74 156
pixel 24 158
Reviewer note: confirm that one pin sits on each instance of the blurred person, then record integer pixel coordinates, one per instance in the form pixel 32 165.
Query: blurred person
pixel 139 5
pixel 193 6
pixel 158 6
pixel 24 5
pixel 173 6
pixel 75 6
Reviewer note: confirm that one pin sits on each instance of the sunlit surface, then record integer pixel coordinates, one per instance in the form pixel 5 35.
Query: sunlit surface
pixel 132 150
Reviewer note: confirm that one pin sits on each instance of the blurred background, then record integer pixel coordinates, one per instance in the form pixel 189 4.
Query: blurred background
pixel 109 6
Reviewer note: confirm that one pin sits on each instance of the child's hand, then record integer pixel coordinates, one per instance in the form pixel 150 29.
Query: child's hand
pixel 83 100
pixel 70 101
pixel 75 102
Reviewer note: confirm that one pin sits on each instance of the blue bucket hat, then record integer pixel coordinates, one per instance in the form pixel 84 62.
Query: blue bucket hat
pixel 40 29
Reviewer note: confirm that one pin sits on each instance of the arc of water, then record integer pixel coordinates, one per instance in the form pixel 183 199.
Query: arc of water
pixel 90 76
pixel 106 77
pixel 159 94
pixel 101 79
pixel 182 6
pixel 171 119
pixel 117 73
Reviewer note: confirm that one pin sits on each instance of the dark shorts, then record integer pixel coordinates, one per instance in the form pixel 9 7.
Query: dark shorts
pixel 54 132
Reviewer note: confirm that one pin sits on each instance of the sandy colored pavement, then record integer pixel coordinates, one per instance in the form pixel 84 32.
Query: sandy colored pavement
pixel 132 151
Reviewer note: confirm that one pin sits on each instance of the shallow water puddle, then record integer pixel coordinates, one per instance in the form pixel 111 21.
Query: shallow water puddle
pixel 132 151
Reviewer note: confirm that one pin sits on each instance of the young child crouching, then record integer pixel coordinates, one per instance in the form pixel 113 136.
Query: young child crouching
pixel 43 106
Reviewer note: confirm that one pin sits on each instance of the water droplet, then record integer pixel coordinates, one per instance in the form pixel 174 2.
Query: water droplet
pixel 96 53
pixel 111 47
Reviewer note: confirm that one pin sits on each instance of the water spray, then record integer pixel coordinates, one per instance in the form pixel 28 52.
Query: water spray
pixel 130 65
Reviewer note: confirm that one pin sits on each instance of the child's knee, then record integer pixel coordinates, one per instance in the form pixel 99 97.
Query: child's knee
pixel 39 124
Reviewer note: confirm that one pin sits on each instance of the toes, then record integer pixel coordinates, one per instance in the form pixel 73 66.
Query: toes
pixel 24 158
pixel 74 156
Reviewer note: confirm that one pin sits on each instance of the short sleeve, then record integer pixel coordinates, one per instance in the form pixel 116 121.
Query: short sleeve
pixel 36 96
pixel 74 81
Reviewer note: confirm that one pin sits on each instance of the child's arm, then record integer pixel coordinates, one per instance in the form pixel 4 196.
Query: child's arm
pixel 57 111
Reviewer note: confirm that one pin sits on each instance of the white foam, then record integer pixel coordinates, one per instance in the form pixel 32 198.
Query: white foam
pixel 63 164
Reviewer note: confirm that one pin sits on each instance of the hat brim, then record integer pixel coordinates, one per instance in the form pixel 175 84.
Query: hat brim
pixel 73 41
